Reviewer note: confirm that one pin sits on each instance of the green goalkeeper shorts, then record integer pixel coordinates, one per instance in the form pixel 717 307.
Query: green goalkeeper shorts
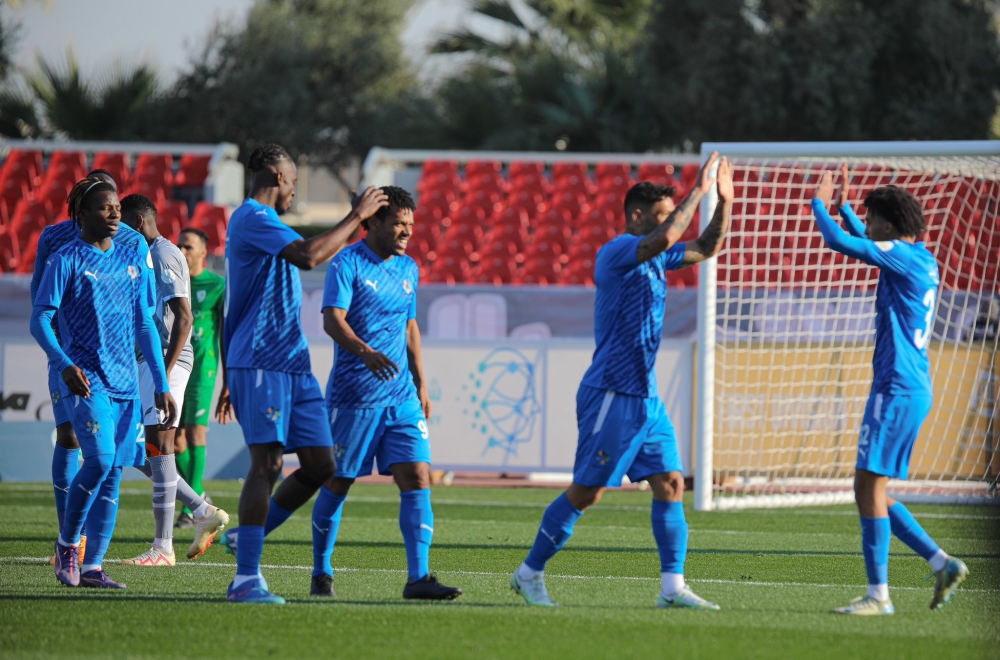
pixel 198 403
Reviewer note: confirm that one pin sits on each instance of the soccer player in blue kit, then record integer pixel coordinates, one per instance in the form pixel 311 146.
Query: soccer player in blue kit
pixel 377 397
pixel 103 293
pixel 901 393
pixel 623 425
pixel 274 394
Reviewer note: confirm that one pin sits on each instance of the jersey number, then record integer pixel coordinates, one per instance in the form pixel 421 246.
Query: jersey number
pixel 422 426
pixel 921 337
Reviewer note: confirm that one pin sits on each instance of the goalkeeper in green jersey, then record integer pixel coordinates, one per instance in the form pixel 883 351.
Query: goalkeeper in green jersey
pixel 208 291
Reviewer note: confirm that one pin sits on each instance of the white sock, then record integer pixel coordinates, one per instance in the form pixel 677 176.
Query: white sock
pixel 938 561
pixel 671 583
pixel 86 568
pixel 526 572
pixel 63 541
pixel 202 510
pixel 167 545
pixel 879 591
pixel 240 579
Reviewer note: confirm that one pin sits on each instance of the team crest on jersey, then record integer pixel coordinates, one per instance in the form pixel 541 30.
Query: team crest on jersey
pixel 201 296
pixel 407 287
pixel 273 414
pixel 93 427
pixel 602 457
pixel 885 246
pixel 132 272
pixel 168 276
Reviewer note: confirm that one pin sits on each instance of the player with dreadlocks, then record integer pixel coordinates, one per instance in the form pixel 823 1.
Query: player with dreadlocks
pixel 103 293
pixel 275 396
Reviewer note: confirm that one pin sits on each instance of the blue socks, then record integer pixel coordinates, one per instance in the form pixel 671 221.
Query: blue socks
pixel 325 524
pixel 275 517
pixel 416 522
pixel 65 465
pixel 909 531
pixel 555 530
pixel 249 550
pixel 670 529
pixel 83 492
pixel 101 521
pixel 875 535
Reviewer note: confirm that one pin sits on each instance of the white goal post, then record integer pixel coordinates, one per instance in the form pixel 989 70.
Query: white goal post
pixel 786 329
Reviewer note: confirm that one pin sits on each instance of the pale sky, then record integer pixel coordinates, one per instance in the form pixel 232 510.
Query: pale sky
pixel 163 32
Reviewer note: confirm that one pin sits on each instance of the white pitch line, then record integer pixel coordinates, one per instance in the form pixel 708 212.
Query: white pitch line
pixel 804 585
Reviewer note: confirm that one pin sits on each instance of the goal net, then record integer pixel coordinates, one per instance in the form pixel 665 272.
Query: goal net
pixel 787 329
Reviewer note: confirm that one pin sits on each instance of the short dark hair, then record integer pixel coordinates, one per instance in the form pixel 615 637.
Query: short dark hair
pixel 399 200
pixel 139 204
pixel 197 232
pixel 265 156
pixel 899 208
pixel 645 194
pixel 83 189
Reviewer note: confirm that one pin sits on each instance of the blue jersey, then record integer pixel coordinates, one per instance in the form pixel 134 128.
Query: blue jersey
pixel 263 307
pixel 101 297
pixel 628 316
pixel 380 297
pixel 54 237
pixel 904 303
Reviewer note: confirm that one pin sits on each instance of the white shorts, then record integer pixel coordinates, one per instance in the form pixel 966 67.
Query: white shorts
pixel 151 416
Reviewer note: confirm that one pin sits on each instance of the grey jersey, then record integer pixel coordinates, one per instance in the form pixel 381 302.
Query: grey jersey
pixel 173 280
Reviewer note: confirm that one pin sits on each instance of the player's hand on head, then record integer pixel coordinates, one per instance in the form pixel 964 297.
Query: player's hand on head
pixel 372 199
pixel 845 185
pixel 705 182
pixel 77 381
pixel 224 408
pixel 166 403
pixel 380 365
pixel 824 192
pixel 725 180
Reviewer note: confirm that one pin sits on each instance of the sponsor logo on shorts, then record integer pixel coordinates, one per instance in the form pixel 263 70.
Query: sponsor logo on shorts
pixel 93 427
pixel 339 451
pixel 273 414
pixel 602 457
pixel 55 396
pixel 199 412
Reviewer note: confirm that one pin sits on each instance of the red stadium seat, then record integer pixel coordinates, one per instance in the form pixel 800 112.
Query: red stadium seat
pixel 26 264
pixel 24 165
pixel 486 201
pixel 530 182
pixel 441 199
pixel 478 167
pixel 509 234
pixel 552 233
pixel 29 216
pixel 118 165
pixel 439 181
pixel 655 171
pixel 154 163
pixel 609 170
pixel 193 171
pixel 576 184
pixel 172 217
pixel 212 220
pixel 495 269
pixel 10 251
pixel 517 168
pixel 451 269
pixel 563 170
pixel 542 251
pixel 435 166
pixel 516 217
pixel 466 231
pixel 529 202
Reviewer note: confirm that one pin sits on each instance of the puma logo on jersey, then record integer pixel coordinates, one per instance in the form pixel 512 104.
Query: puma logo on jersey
pixel 373 285
pixel 90 274
pixel 108 499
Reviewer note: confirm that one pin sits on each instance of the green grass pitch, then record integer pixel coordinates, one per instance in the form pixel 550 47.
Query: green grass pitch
pixel 776 573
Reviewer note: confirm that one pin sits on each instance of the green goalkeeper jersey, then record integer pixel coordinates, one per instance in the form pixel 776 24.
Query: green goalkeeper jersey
pixel 208 291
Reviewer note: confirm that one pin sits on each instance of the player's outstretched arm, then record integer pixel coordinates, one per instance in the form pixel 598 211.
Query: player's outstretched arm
pixel 851 220
pixel 307 254
pixel 710 242
pixel 664 236
pixel 416 364
pixel 875 254
pixel 335 324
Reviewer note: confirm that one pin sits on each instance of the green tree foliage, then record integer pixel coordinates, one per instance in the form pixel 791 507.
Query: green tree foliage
pixel 308 74
pixel 824 69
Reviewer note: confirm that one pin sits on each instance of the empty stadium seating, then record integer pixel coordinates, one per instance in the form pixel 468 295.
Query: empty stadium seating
pixel 34 187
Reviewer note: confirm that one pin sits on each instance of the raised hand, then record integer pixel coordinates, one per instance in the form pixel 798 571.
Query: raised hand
pixel 77 381
pixel 725 181
pixel 704 182
pixel 380 365
pixel 371 200
pixel 845 185
pixel 824 192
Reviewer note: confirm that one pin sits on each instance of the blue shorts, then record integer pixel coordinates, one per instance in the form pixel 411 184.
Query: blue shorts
pixel 621 435
pixel 104 425
pixel 56 387
pixel 397 434
pixel 276 406
pixel 889 429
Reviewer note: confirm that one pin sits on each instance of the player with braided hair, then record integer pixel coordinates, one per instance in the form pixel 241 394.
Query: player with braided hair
pixel 274 394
